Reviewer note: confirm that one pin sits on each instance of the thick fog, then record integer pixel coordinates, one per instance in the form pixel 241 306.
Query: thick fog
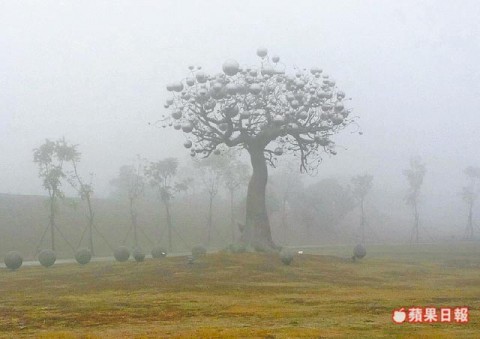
pixel 95 72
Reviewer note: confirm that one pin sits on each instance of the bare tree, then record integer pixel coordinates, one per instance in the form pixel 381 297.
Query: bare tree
pixel 83 188
pixel 211 172
pixel 262 110
pixel 362 184
pixel 322 205
pixel 415 175
pixel 131 182
pixel 470 195
pixel 161 175
pixel 50 158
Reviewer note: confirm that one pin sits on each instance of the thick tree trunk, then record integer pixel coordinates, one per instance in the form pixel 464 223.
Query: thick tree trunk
pixel 257 227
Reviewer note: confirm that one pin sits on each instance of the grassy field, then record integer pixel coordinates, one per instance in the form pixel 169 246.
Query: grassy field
pixel 321 295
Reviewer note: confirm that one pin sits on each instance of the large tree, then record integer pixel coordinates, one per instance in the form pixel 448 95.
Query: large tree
pixel 263 110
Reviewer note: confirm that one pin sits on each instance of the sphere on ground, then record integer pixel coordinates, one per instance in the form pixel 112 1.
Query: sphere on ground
pixel 121 254
pixel 158 252
pixel 230 67
pixel 262 52
pixel 47 258
pixel 359 251
pixel 199 251
pixel 83 256
pixel 286 256
pixel 138 255
pixel 13 260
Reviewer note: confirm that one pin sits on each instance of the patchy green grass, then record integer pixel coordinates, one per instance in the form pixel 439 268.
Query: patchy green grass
pixel 246 295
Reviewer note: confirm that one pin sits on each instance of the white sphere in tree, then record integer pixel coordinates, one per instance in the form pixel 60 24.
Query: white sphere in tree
pixel 262 52
pixel 230 67
pixel 255 88
pixel 177 86
pixel 201 77
pixel 278 151
pixel 267 70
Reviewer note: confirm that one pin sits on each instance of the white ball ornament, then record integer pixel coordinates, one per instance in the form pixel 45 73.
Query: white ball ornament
pixel 201 77
pixel 262 52
pixel 267 70
pixel 255 88
pixel 278 151
pixel 187 127
pixel 230 67
pixel 231 88
pixel 177 86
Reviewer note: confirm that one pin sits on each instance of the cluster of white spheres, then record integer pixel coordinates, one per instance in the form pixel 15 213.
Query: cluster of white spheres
pixel 231 68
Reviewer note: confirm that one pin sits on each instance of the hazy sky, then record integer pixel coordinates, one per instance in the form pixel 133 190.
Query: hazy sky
pixel 95 72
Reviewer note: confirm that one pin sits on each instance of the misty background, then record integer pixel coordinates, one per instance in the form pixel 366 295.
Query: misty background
pixel 95 72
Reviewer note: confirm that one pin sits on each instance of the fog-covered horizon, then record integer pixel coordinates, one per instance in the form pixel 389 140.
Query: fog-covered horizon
pixel 95 72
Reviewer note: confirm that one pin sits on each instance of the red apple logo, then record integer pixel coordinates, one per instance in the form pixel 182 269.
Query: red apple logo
pixel 399 316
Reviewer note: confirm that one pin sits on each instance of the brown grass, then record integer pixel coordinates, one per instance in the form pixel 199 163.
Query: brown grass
pixel 244 295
